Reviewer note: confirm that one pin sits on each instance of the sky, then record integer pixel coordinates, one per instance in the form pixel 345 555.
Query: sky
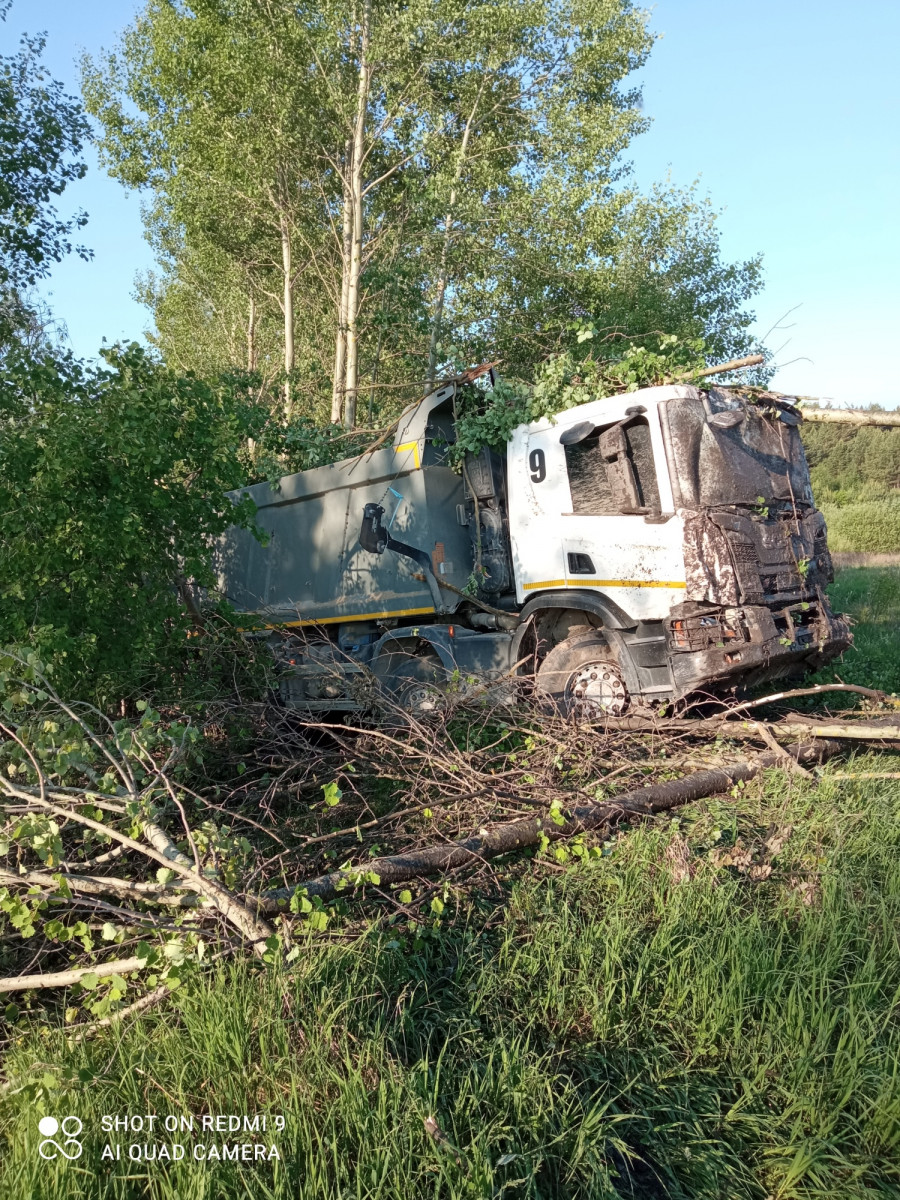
pixel 784 112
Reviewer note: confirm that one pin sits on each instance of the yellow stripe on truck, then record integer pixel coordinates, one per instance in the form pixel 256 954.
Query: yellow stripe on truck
pixel 414 446
pixel 635 583
pixel 352 617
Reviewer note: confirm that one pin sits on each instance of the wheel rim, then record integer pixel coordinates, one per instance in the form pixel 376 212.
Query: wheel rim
pixel 598 689
pixel 423 699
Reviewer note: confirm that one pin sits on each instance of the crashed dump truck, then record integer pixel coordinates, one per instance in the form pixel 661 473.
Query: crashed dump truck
pixel 631 550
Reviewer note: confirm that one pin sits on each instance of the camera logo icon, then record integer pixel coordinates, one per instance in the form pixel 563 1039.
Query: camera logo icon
pixel 70 1127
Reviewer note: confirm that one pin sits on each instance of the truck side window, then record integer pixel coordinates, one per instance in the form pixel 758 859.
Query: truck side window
pixel 589 479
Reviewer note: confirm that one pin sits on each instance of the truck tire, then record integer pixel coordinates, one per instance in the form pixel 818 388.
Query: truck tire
pixel 414 684
pixel 580 675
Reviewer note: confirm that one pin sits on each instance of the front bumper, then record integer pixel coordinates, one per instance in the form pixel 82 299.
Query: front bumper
pixel 714 648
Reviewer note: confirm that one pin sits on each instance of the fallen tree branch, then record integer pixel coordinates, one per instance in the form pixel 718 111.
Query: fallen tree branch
pixel 734 364
pixel 53 979
pixel 845 731
pixel 872 730
pixel 108 885
pixel 516 835
pixel 818 690
pixel 788 759
pixel 145 1002
pixel 850 416
pixel 450 587
pixel 845 775
pixel 252 927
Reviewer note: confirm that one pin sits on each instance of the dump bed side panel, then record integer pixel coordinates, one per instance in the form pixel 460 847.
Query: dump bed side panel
pixel 313 567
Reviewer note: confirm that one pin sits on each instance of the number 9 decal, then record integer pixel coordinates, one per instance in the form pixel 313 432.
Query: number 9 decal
pixel 538 465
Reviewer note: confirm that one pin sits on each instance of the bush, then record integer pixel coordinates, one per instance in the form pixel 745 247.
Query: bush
pixel 112 484
pixel 868 525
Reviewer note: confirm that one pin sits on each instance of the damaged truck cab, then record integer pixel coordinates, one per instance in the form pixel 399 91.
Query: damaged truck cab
pixel 634 549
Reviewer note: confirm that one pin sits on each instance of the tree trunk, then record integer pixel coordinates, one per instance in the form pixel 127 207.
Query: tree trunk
pixel 251 335
pixel 287 266
pixel 851 416
pixel 445 250
pixel 340 349
pixel 439 304
pixel 375 371
pixel 351 383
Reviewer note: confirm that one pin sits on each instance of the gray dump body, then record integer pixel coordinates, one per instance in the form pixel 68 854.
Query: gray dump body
pixel 312 568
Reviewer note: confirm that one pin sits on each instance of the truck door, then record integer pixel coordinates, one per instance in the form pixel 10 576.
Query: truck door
pixel 618 535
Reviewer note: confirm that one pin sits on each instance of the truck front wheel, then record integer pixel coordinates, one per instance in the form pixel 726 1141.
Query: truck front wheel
pixel 581 674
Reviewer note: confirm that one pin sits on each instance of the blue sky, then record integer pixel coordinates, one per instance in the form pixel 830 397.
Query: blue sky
pixel 786 113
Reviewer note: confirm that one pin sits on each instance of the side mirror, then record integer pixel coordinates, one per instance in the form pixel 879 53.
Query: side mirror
pixel 576 433
pixel 727 419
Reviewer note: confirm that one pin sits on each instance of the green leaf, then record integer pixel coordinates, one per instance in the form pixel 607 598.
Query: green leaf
pixel 174 951
pixel 333 794
pixel 405 897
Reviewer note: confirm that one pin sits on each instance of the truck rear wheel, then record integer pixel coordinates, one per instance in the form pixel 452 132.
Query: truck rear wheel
pixel 581 675
pixel 414 684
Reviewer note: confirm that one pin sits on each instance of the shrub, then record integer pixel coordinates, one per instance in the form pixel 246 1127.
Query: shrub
pixel 869 525
pixel 112 483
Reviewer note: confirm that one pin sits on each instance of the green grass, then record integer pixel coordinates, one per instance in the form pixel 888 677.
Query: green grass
pixel 872 596
pixel 650 1024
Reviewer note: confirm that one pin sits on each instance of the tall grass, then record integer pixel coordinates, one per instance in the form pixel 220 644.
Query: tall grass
pixel 872 597
pixel 651 1024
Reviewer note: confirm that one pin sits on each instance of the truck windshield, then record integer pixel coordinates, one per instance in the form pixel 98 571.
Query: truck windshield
pixel 760 458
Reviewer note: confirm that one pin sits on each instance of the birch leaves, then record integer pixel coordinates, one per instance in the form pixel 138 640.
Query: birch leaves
pixel 342 190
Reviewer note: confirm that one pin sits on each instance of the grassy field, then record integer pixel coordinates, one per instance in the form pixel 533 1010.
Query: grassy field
pixel 654 1023
pixel 872 597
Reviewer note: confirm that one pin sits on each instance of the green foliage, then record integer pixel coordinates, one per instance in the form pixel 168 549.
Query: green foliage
pixel 300 444
pixel 41 133
pixel 866 526
pixel 855 472
pixel 571 378
pixel 54 748
pixel 496 205
pixel 851 463
pixel 112 484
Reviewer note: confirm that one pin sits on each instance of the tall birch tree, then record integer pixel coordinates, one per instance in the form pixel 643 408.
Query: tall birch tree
pixel 393 177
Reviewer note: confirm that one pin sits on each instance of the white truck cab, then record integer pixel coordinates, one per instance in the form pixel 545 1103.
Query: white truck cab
pixel 568 527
